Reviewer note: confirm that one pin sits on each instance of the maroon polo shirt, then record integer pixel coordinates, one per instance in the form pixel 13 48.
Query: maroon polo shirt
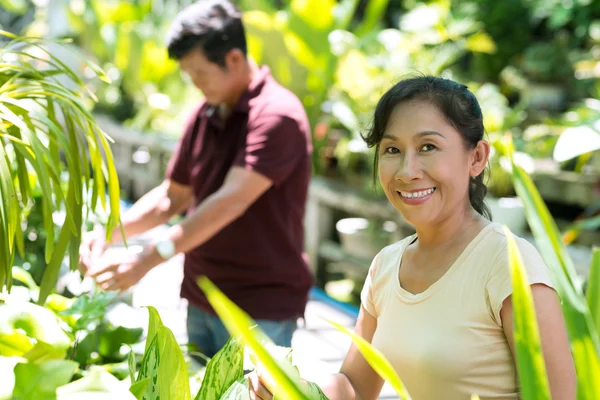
pixel 258 260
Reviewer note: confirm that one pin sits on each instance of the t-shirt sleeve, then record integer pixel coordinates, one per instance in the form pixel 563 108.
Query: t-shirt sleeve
pixel 499 285
pixel 367 297
pixel 178 168
pixel 274 145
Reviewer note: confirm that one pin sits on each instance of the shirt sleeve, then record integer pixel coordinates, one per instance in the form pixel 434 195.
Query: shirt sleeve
pixel 499 285
pixel 178 168
pixel 274 145
pixel 367 297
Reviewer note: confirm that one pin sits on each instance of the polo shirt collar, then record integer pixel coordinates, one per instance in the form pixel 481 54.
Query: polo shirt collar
pixel 243 103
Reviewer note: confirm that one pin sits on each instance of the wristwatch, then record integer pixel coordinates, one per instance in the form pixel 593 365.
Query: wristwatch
pixel 165 248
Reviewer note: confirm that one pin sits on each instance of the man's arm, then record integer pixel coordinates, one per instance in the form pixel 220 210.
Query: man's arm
pixel 242 187
pixel 155 208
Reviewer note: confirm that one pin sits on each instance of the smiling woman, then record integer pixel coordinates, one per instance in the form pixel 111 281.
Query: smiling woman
pixel 438 304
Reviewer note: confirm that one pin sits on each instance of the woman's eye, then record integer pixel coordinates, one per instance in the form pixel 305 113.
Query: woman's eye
pixel 428 147
pixel 391 150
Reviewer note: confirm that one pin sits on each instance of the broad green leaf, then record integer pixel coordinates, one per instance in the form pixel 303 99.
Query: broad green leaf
pixel 376 360
pixel 139 388
pixel 593 289
pixel 173 379
pixel 39 381
pixel 239 324
pixel 149 370
pixel 154 322
pixel 163 363
pixel 43 352
pixel 530 359
pixel 97 384
pixel 14 344
pixel 222 371
pixel 238 391
pixel 37 322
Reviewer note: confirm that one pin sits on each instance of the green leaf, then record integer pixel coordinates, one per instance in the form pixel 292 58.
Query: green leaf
pixel 238 391
pixel 376 360
pixel 593 289
pixel 139 388
pixel 173 379
pixel 14 6
pixel 51 273
pixel 37 322
pixel 373 15
pixel 530 359
pixel 39 381
pixel 25 277
pixel 149 370
pixel 163 363
pixel 154 322
pixel 111 340
pixel 582 333
pixel 131 365
pixel 89 308
pixel 222 371
pixel 239 324
pixel 97 383
pixel 14 344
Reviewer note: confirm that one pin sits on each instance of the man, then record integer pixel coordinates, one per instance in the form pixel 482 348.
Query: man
pixel 241 170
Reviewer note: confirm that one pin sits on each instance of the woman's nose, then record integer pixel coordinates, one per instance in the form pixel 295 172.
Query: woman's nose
pixel 408 169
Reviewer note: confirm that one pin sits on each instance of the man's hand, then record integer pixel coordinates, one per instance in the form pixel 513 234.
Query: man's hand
pixel 122 274
pixel 93 246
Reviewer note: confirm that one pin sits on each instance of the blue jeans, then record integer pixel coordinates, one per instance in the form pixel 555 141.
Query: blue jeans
pixel 207 333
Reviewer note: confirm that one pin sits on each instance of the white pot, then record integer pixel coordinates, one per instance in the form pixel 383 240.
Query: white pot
pixel 357 239
pixel 508 211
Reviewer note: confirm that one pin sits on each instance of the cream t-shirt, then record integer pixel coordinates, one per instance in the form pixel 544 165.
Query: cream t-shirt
pixel 447 342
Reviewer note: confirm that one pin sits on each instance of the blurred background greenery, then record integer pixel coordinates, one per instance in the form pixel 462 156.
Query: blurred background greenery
pixel 534 65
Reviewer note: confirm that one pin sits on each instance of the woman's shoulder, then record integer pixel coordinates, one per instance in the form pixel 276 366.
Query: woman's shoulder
pixel 497 242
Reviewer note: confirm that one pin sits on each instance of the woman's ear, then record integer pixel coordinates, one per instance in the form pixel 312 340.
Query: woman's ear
pixel 479 158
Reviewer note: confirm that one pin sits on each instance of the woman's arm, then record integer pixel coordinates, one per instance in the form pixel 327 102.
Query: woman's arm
pixel 554 340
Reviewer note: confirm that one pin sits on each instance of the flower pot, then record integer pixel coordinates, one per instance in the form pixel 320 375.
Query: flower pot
pixel 360 239
pixel 508 211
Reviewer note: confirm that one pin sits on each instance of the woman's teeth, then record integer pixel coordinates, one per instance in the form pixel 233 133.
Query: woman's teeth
pixel 416 195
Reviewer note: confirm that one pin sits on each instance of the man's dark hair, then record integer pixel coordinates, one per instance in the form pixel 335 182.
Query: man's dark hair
pixel 214 26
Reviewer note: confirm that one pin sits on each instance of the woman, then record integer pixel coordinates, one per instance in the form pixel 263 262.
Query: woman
pixel 438 303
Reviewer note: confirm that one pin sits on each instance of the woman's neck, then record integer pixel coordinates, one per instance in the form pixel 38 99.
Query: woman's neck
pixel 451 231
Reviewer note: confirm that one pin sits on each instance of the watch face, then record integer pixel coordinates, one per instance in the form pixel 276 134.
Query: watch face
pixel 165 248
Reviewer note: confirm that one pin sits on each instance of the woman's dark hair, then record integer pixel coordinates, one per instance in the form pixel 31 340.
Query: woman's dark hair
pixel 215 26
pixel 458 105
